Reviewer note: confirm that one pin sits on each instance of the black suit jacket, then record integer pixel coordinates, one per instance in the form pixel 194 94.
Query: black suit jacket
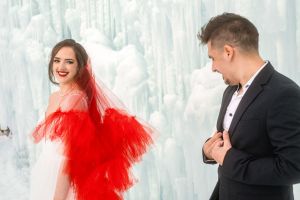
pixel 264 161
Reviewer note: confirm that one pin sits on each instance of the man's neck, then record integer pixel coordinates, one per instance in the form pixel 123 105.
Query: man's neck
pixel 248 68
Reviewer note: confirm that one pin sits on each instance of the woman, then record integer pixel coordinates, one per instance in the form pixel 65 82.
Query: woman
pixel 90 142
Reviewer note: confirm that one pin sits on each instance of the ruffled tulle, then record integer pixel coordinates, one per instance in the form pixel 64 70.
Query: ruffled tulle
pixel 99 155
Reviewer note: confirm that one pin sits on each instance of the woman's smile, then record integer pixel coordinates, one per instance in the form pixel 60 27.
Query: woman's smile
pixel 62 73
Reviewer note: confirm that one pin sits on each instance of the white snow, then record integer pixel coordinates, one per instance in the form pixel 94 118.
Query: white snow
pixel 147 52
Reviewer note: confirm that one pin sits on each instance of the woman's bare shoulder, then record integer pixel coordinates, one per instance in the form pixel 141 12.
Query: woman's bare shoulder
pixel 76 100
pixel 53 95
pixel 53 103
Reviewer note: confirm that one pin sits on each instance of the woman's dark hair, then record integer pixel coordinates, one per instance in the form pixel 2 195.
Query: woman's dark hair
pixel 80 54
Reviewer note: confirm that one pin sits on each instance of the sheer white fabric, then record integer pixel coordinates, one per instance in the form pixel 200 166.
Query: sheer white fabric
pixel 47 169
pixel 45 172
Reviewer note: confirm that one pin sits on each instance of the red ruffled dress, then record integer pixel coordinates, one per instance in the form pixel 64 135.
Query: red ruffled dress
pixel 100 144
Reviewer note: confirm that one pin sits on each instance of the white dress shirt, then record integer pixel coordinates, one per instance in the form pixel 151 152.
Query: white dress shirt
pixel 236 99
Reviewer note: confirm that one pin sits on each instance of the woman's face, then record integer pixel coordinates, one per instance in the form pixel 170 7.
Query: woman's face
pixel 65 66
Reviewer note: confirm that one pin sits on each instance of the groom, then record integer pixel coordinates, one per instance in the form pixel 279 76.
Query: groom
pixel 257 142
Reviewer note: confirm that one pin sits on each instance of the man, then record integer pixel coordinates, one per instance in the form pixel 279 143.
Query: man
pixel 257 142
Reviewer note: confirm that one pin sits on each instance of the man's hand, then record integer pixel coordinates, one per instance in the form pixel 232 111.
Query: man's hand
pixel 208 146
pixel 220 148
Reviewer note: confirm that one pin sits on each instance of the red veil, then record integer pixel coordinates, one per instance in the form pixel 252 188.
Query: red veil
pixel 101 144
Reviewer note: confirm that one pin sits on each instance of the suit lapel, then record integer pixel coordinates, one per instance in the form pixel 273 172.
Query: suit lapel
pixel 226 100
pixel 254 90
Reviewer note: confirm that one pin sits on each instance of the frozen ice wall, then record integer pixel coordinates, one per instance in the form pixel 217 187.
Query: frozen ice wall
pixel 148 54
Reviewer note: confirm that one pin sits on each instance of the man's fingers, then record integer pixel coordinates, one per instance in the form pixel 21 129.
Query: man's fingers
pixel 215 137
pixel 226 138
pixel 217 143
pixel 209 145
pixel 217 134
pixel 225 135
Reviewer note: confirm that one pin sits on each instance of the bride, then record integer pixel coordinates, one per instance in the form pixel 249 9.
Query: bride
pixel 89 141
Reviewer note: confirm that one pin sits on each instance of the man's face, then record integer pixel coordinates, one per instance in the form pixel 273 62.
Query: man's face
pixel 222 62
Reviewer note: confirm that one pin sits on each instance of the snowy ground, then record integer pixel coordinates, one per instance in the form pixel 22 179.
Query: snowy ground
pixel 14 172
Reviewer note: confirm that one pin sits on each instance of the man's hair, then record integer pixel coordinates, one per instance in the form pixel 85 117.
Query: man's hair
pixel 232 29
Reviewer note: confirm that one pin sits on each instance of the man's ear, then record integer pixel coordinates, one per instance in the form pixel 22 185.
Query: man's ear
pixel 228 51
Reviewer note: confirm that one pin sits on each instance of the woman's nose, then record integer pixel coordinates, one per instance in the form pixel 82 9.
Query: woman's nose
pixel 62 65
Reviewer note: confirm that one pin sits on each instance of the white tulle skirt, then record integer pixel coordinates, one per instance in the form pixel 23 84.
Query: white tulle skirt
pixel 45 172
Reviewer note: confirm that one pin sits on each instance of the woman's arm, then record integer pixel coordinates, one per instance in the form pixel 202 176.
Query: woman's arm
pixel 62 185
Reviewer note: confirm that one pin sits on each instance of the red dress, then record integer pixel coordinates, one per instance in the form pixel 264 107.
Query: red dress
pixel 101 145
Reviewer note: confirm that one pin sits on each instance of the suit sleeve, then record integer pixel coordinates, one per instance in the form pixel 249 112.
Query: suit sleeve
pixel 283 128
pixel 206 160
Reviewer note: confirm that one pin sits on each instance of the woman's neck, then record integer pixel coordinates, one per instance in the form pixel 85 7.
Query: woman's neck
pixel 66 88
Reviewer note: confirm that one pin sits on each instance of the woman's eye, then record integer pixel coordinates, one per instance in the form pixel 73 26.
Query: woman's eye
pixel 70 62
pixel 56 61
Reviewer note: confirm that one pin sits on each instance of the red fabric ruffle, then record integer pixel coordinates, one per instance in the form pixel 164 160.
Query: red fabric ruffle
pixel 99 155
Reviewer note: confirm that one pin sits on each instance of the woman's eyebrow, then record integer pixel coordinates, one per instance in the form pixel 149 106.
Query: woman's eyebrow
pixel 68 59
